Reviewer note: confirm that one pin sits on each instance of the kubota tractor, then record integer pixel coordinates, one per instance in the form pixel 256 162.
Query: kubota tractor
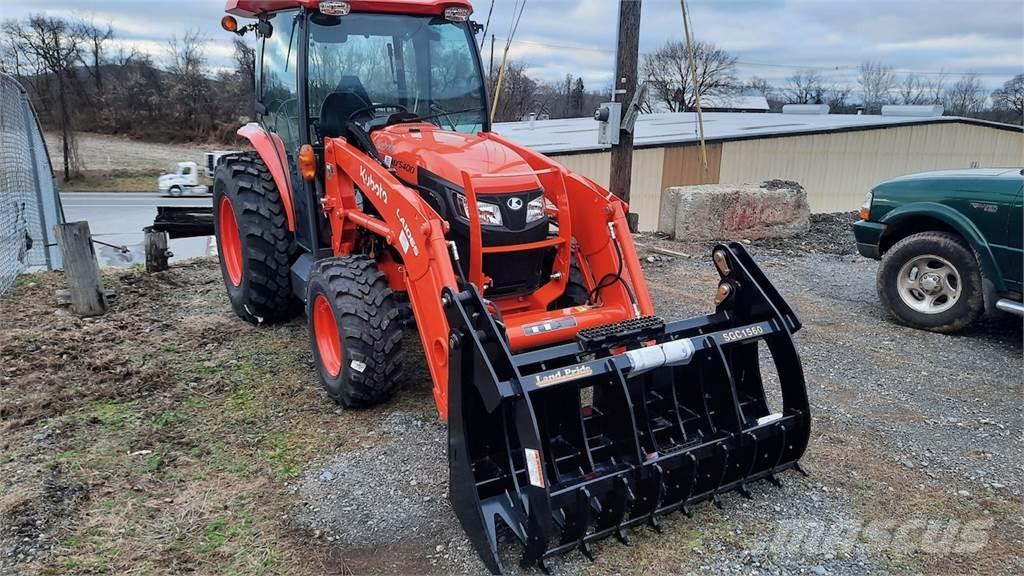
pixel 378 195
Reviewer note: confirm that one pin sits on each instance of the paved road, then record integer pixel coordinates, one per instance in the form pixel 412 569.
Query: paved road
pixel 118 218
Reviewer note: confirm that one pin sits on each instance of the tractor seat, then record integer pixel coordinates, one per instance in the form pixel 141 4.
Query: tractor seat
pixel 336 110
pixel 349 96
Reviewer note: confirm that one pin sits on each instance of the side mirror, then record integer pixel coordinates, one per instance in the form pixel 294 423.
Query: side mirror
pixel 264 29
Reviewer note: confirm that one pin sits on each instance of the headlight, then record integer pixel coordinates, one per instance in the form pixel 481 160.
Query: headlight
pixel 489 213
pixel 865 207
pixel 535 209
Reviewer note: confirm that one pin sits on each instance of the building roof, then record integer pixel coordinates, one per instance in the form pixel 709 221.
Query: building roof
pixel 666 129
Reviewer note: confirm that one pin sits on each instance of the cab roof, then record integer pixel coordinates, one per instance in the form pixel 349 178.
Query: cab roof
pixel 253 8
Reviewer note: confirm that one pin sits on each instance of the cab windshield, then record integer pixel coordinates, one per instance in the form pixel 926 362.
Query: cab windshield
pixel 423 65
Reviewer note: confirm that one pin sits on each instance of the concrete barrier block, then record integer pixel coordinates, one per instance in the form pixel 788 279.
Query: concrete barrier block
pixel 773 209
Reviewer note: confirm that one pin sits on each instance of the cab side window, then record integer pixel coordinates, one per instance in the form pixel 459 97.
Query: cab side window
pixel 278 88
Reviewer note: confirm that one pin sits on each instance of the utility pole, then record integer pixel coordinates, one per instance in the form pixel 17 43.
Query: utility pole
pixel 623 90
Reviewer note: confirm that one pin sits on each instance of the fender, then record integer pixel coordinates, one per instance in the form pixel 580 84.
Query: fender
pixel 958 222
pixel 271 150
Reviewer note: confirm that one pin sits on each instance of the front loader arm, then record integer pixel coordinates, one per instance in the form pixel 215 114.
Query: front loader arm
pixel 594 210
pixel 406 223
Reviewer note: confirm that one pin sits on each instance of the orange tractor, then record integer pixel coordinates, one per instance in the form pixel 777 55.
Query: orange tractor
pixel 378 195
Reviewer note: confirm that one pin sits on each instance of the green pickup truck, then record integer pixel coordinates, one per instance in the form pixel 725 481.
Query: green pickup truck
pixel 950 245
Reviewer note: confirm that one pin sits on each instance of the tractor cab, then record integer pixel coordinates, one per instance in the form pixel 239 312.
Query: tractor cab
pixel 408 90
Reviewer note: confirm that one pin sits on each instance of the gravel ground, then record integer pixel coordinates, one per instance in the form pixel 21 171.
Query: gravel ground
pixel 911 428
pixel 915 459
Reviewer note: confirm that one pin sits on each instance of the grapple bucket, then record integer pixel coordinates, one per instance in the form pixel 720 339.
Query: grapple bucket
pixel 570 444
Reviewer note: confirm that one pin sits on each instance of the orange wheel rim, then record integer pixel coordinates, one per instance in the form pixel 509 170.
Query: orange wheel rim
pixel 325 332
pixel 230 242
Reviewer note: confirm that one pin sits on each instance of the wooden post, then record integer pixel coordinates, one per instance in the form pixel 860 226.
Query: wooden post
pixel 624 89
pixel 156 251
pixel 81 270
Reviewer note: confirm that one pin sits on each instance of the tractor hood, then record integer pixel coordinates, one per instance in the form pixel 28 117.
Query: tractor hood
pixel 447 154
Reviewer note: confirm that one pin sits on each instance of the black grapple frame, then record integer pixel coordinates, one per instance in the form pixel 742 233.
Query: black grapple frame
pixel 570 444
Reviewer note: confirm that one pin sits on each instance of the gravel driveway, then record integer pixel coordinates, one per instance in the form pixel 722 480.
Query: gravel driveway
pixel 915 458
pixel 168 437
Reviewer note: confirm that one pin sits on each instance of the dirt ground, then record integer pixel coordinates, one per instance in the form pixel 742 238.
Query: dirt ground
pixel 169 437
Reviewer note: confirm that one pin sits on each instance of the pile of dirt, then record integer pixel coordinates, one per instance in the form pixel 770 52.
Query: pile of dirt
pixel 829 234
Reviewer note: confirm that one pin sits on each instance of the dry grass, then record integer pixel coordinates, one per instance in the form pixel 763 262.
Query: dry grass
pixel 160 438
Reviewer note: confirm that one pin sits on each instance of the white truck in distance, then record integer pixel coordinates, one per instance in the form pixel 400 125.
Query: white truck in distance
pixel 185 180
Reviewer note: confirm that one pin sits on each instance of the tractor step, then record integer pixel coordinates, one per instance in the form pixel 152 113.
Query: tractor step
pixel 619 333
pixel 632 421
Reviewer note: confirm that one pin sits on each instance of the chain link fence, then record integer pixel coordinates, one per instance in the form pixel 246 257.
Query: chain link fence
pixel 29 204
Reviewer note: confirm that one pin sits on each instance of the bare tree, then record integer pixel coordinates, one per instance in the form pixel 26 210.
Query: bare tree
pixel 761 86
pixel 519 94
pixel 579 94
pixel 837 96
pixel 805 87
pixel 965 97
pixel 1010 97
pixel 876 82
pixel 188 94
pixel 92 56
pixel 55 45
pixel 913 90
pixel 671 83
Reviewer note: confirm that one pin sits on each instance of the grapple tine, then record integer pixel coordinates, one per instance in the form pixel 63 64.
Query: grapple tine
pixel 575 443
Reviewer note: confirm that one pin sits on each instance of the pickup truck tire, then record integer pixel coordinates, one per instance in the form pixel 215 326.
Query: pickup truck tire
pixel 255 247
pixel 931 281
pixel 355 331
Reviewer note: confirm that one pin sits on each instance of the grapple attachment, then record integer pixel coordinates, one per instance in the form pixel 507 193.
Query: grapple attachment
pixel 570 444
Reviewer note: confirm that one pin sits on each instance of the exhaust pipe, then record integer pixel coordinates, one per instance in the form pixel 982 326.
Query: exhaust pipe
pixel 1007 305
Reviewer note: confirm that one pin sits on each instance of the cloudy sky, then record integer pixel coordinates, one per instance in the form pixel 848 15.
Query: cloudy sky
pixel 771 38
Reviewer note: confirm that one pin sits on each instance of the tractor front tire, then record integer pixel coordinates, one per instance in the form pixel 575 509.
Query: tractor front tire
pixel 576 291
pixel 355 331
pixel 255 247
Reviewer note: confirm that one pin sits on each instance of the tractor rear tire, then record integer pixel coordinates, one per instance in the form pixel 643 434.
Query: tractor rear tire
pixel 355 331
pixel 255 247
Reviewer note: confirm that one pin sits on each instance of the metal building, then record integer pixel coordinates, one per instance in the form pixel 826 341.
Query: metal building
pixel 836 157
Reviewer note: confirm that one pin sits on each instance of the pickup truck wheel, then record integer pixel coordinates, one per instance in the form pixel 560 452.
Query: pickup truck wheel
pixel 931 281
pixel 256 248
pixel 174 191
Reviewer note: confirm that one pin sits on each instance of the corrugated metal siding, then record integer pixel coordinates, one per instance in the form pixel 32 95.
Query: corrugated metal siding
pixel 837 169
pixel 645 195
pixel 683 166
